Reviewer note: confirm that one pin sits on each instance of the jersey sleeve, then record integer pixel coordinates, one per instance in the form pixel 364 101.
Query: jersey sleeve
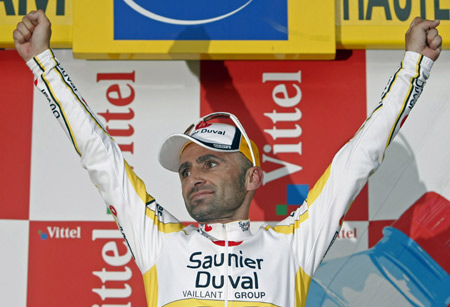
pixel 143 223
pixel 312 228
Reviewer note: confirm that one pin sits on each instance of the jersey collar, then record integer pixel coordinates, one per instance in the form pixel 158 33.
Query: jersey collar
pixel 233 231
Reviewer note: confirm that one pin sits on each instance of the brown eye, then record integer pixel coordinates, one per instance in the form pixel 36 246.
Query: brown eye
pixel 211 164
pixel 185 173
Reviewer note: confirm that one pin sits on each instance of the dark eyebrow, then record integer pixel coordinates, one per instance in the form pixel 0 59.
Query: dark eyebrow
pixel 184 165
pixel 199 160
pixel 207 157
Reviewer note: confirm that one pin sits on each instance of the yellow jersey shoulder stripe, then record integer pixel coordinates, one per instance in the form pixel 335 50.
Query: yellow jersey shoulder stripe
pixel 370 116
pixel 318 187
pixel 288 229
pixel 302 282
pixel 38 63
pixel 137 184
pixel 312 196
pixel 141 191
pixel 151 286
pixel 394 78
pixel 63 113
pixel 58 69
pixel 408 95
pixel 163 227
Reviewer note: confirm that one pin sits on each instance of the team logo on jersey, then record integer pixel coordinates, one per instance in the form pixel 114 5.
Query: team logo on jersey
pixel 113 210
pixel 245 225
pixel 159 210
pixel 210 283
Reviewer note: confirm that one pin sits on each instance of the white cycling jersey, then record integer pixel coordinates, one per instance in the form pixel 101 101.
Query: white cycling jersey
pixel 225 264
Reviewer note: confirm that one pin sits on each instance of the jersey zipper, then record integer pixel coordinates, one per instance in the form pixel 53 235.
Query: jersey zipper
pixel 224 227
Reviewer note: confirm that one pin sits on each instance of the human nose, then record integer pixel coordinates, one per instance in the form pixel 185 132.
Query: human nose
pixel 196 177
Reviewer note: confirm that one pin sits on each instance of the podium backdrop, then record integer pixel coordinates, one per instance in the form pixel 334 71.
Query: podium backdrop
pixel 59 245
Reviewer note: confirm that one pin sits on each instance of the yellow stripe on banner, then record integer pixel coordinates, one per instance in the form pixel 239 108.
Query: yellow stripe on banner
pixel 302 282
pixel 404 102
pixel 63 113
pixel 214 303
pixel 151 286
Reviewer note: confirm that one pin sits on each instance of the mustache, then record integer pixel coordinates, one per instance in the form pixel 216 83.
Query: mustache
pixel 199 189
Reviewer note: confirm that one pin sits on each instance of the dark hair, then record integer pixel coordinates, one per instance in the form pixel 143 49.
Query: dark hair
pixel 245 165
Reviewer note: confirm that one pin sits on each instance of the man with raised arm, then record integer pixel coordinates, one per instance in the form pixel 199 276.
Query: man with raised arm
pixel 222 263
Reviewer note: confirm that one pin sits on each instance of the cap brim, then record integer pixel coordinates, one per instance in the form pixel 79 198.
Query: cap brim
pixel 169 154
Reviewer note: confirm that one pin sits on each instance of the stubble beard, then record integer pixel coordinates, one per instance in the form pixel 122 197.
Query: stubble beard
pixel 220 206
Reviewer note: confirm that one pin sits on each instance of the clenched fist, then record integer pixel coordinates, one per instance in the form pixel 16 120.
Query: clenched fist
pixel 423 37
pixel 32 35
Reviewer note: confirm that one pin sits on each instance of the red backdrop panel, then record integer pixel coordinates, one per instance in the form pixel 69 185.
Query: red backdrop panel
pixel 16 88
pixel 299 113
pixel 81 264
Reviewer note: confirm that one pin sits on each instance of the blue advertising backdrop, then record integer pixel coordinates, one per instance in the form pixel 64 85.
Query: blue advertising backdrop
pixel 200 20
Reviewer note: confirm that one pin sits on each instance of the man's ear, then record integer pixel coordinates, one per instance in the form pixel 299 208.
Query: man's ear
pixel 254 177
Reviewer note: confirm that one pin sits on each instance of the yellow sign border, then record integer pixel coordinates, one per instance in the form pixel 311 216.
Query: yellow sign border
pixel 358 32
pixel 61 25
pixel 311 36
pixel 370 37
pixel 316 29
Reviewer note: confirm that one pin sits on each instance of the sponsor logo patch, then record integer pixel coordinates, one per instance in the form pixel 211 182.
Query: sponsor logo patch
pixel 113 210
pixel 60 232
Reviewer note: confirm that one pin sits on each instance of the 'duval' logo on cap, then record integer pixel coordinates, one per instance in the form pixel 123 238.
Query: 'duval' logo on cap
pixel 202 124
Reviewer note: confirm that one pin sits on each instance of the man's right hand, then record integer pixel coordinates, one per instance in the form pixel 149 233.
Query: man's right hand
pixel 32 35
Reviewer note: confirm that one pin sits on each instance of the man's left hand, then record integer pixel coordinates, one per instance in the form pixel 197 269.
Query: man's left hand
pixel 423 37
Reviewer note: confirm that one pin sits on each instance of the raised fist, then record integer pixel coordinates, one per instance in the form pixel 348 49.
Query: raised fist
pixel 32 35
pixel 423 37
